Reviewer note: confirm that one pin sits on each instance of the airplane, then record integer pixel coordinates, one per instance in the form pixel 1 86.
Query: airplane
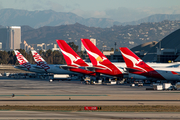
pixel 40 68
pixel 74 62
pixel 137 66
pixel 41 64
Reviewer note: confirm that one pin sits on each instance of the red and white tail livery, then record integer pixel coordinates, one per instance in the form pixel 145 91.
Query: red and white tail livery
pixel 40 61
pixel 138 66
pixel 72 59
pixel 22 60
pixel 99 60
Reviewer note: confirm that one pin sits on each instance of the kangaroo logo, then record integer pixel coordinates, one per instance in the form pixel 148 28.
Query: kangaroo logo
pixel 73 59
pixel 22 60
pixel 98 59
pixel 136 62
pixel 40 62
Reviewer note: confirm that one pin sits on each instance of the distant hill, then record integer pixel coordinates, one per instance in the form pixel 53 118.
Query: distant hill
pixel 125 36
pixel 154 18
pixel 37 19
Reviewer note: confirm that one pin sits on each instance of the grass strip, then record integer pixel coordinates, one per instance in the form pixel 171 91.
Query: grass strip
pixel 135 108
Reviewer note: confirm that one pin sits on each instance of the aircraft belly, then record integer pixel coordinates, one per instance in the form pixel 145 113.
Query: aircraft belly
pixel 170 76
pixel 135 76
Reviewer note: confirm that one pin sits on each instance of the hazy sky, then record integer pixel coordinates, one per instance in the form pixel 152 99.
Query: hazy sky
pixel 119 10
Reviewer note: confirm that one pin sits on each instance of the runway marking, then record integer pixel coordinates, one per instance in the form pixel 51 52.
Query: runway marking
pixel 52 95
pixel 168 92
pixel 89 100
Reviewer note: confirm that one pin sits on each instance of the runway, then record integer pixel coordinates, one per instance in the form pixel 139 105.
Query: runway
pixel 42 100
pixel 87 115
pixel 62 102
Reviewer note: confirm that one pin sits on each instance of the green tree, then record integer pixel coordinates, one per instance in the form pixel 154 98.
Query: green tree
pixel 73 46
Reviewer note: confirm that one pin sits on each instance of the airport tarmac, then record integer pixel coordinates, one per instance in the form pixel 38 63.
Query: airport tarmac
pixel 43 92
pixel 37 92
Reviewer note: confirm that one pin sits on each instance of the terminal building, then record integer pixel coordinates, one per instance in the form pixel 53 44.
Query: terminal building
pixel 166 50
pixel 10 37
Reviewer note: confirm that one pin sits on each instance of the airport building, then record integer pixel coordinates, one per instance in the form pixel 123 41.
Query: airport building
pixel 10 37
pixel 164 51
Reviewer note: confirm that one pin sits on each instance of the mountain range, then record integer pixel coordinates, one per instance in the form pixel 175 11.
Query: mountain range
pixel 125 36
pixel 37 19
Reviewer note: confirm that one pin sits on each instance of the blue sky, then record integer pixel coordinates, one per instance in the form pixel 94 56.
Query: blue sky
pixel 119 10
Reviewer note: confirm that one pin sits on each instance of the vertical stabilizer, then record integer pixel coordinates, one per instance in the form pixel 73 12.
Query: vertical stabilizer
pixel 40 61
pixel 71 57
pixel 99 60
pixel 138 66
pixel 133 61
pixel 22 60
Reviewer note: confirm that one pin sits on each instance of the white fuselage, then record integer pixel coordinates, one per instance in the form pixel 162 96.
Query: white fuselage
pixel 164 69
pixel 168 73
pixel 57 70
pixel 154 65
pixel 53 69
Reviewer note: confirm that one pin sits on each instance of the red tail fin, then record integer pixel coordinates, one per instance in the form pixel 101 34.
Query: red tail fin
pixel 99 59
pixel 133 61
pixel 137 65
pixel 95 55
pixel 71 57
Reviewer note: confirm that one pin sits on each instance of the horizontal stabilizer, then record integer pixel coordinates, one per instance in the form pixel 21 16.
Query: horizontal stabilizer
pixel 66 67
pixel 38 67
pixel 95 68
pixel 133 70
pixel 19 66
pixel 175 73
